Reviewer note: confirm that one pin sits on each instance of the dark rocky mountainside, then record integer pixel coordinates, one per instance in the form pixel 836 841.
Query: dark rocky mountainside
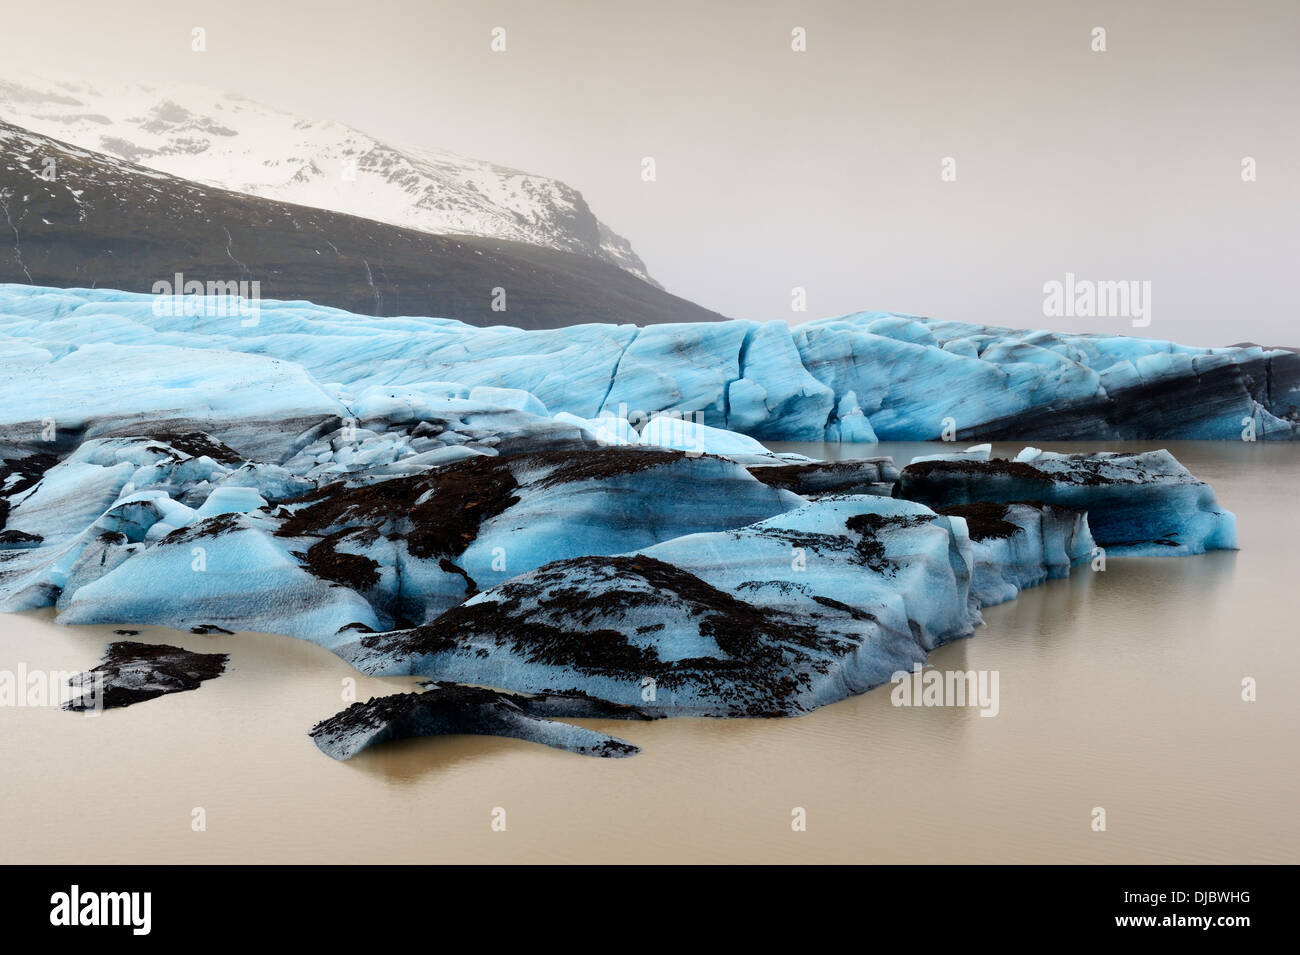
pixel 102 221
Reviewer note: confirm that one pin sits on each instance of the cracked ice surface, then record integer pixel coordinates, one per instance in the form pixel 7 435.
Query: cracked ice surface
pixel 862 377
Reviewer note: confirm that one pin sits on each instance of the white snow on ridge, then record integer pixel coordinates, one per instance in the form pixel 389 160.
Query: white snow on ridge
pixel 235 143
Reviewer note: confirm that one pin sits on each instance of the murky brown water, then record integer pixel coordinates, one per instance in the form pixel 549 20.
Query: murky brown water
pixel 1119 689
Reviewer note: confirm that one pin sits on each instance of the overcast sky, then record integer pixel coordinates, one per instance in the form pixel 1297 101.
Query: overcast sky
pixel 819 169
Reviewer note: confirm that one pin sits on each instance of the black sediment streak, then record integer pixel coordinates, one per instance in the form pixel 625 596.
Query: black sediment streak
pixel 439 512
pixel 984 520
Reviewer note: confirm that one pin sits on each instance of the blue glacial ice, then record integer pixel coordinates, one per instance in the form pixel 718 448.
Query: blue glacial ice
pixel 781 616
pixel 1137 503
pixel 862 377
pixel 572 513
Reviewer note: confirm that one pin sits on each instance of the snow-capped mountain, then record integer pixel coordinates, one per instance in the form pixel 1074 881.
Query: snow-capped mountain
pixel 75 218
pixel 72 217
pixel 237 144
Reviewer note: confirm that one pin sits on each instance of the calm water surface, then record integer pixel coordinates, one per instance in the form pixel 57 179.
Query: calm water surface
pixel 1119 689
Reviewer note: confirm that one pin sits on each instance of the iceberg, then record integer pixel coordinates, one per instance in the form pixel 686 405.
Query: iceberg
pixel 446 708
pixel 133 672
pixel 371 553
pixel 977 452
pixel 1019 545
pixel 1137 504
pixel 776 618
pixel 814 479
pixel 683 434
pixel 623 561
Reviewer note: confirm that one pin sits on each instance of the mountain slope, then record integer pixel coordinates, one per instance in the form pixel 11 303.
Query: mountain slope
pixel 104 221
pixel 237 144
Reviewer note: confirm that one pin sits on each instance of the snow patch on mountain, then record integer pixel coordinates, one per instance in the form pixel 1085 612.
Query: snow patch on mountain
pixel 236 143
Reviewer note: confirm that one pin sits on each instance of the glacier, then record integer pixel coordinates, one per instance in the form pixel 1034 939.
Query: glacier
pixel 582 521
pixel 864 377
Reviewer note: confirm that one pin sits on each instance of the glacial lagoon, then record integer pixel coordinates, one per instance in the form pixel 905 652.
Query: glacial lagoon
pixel 1119 689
